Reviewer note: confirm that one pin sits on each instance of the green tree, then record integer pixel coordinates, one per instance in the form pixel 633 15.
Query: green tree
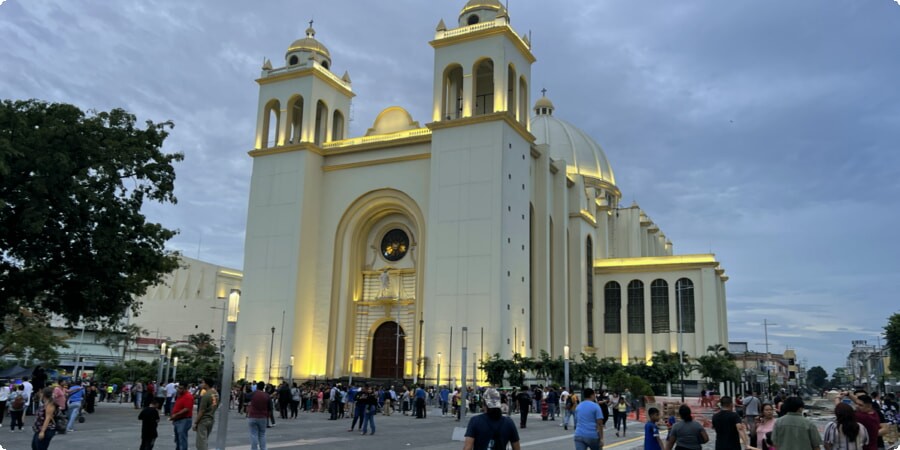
pixel 718 365
pixel 606 368
pixel 817 377
pixel 73 238
pixel 29 333
pixel 892 341
pixel 495 369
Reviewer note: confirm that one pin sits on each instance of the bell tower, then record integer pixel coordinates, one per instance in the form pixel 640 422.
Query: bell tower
pixel 477 263
pixel 303 101
pixel 481 67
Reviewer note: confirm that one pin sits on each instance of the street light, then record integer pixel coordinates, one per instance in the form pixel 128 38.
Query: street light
pixel 168 362
pixel 175 368
pixel 291 370
pixel 352 357
pixel 463 402
pixel 162 354
pixel 227 370
pixel 440 357
pixel 566 364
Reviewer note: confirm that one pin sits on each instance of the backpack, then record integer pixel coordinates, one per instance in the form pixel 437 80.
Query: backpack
pixel 18 403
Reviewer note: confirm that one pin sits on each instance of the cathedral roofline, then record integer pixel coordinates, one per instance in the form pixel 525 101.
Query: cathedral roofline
pixel 479 31
pixel 317 71
pixel 656 263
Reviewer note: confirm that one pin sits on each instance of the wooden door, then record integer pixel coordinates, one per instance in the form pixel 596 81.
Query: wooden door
pixel 385 360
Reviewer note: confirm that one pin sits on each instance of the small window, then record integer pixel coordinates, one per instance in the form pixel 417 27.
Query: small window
pixel 293 61
pixel 325 64
pixel 473 19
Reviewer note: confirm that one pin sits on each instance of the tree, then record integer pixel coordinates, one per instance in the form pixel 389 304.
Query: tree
pixel 718 365
pixel 29 333
pixel 892 340
pixel 606 368
pixel 73 238
pixel 817 377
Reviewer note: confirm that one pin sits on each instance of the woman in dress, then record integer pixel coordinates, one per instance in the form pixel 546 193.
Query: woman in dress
pixel 844 432
pixel 765 425
pixel 686 434
pixel 44 426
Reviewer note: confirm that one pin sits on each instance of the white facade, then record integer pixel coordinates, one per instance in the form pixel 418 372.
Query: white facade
pixel 485 218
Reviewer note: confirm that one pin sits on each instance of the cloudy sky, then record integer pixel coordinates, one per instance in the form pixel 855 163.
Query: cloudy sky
pixel 765 131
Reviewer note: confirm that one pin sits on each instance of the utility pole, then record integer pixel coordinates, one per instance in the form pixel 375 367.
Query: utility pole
pixel 766 326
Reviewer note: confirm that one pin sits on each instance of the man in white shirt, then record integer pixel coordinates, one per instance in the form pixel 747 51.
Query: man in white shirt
pixel 29 388
pixel 563 396
pixel 170 395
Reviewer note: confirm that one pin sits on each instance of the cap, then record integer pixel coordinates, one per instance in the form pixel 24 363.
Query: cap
pixel 491 398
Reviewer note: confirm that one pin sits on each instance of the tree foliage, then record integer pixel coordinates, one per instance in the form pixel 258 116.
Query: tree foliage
pixel 29 334
pixel 717 365
pixel 892 340
pixel 817 377
pixel 73 239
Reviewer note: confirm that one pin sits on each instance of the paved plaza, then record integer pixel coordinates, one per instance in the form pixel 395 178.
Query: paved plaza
pixel 115 426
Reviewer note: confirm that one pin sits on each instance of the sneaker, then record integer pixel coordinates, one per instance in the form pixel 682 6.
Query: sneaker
pixel 566 427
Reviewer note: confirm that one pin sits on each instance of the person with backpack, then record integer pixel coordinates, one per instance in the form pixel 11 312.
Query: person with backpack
pixel 16 402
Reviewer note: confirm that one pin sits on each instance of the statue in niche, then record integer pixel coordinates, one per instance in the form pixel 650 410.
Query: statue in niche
pixel 385 284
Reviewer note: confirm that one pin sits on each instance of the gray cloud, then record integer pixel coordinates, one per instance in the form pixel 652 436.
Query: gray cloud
pixel 764 131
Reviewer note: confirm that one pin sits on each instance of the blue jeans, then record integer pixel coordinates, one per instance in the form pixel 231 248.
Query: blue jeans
pixel 138 396
pixel 370 419
pixel 258 433
pixel 569 414
pixel 181 431
pixel 584 443
pixel 551 410
pixel 42 444
pixel 74 408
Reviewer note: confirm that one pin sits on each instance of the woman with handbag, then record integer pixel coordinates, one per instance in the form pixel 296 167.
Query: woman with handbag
pixel 44 421
pixel 845 433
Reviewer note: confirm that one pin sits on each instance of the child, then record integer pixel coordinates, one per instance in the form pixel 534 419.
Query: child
pixel 149 418
pixel 652 441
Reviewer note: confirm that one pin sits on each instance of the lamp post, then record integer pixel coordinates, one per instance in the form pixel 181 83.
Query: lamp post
pixel 227 370
pixel 678 289
pixel 463 402
pixel 566 364
pixel 440 356
pixel 162 355
pixel 168 361
pixel 271 353
pixel 175 368
pixel 291 370
pixel 397 351
pixel 352 357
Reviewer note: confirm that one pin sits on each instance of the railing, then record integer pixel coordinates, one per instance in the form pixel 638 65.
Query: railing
pixel 377 138
pixel 478 27
pixel 312 64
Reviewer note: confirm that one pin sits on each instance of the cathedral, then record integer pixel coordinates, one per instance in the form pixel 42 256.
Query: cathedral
pixel 495 226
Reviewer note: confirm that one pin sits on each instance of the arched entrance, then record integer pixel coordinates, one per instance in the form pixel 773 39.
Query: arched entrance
pixel 388 351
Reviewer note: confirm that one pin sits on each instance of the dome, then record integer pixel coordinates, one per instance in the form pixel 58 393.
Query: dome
pixel 582 154
pixel 477 11
pixel 308 44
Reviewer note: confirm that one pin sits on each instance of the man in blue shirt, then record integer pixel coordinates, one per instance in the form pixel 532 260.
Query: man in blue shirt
pixel 420 402
pixel 588 423
pixel 445 399
pixel 76 395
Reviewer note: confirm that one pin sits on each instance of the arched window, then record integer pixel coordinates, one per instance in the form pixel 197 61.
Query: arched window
pixel 636 307
pixel 511 91
pixel 684 295
pixel 659 306
pixel 321 122
pixel 337 126
pixel 452 93
pixel 293 61
pixel 483 103
pixel 523 101
pixel 271 124
pixel 589 278
pixel 295 118
pixel 612 301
